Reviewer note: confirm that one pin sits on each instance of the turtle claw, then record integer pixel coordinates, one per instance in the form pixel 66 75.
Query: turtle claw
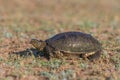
pixel 58 54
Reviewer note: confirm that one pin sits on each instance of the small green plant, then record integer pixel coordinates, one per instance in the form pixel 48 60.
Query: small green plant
pixel 49 75
pixel 53 64
pixel 87 25
pixel 83 65
pixel 116 60
pixel 63 75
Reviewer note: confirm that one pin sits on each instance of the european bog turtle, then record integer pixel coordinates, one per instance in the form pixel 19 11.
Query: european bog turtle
pixel 69 43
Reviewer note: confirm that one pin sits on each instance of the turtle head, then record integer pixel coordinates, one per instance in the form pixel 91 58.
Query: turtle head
pixel 38 44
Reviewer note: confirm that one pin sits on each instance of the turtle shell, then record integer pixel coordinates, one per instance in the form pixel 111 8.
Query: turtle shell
pixel 74 42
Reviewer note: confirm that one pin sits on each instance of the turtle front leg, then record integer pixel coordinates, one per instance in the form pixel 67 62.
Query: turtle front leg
pixel 51 53
pixel 58 54
pixel 48 52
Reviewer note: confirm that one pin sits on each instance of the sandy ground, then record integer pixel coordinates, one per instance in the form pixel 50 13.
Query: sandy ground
pixel 20 21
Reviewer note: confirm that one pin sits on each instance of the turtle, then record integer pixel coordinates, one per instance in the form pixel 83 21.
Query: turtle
pixel 69 44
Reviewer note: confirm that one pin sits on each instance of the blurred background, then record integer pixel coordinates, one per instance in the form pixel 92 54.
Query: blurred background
pixel 21 20
pixel 39 16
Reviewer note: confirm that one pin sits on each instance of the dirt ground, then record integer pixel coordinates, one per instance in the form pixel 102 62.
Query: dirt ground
pixel 22 20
